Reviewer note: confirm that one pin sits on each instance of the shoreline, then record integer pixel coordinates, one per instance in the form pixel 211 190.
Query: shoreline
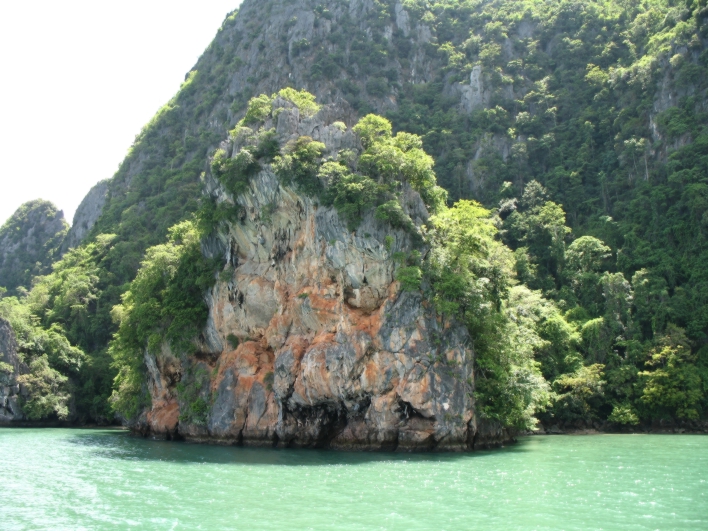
pixel 62 425
pixel 553 432
pixel 639 431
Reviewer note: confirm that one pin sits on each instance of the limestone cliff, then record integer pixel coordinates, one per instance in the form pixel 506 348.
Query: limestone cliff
pixel 29 242
pixel 10 367
pixel 309 341
pixel 86 215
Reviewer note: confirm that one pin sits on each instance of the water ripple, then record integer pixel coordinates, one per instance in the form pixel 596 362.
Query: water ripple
pixel 107 480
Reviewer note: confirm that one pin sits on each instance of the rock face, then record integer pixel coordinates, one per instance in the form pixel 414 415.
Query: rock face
pixel 309 341
pixel 86 215
pixel 29 242
pixel 474 95
pixel 10 367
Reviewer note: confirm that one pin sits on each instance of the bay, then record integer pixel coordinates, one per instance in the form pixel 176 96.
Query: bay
pixel 107 480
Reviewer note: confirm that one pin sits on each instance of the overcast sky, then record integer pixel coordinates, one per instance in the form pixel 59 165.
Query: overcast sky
pixel 79 80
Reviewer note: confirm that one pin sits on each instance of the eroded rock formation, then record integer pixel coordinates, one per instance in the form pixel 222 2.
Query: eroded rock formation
pixel 310 342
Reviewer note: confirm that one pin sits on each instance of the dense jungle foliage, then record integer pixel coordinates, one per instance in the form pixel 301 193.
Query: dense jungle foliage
pixel 557 332
pixel 586 154
pixel 165 304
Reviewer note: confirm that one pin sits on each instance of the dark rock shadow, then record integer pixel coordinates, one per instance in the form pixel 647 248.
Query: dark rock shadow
pixel 115 444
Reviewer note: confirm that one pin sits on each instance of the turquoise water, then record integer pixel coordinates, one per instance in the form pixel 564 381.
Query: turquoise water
pixel 86 479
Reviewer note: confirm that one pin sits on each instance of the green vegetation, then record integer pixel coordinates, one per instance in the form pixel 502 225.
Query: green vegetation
pixel 73 299
pixel 164 306
pixel 268 380
pixel 299 165
pixel 235 172
pixel 354 182
pixel 471 277
pixel 557 329
pixel 617 240
pixel 190 392
pixel 48 391
pixel 571 95
pixel 30 241
pixel 261 145
pixel 51 360
pixel 629 363
pixel 233 341
pixel 575 247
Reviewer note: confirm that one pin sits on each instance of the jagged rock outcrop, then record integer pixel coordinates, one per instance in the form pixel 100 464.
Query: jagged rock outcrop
pixel 10 367
pixel 29 243
pixel 86 215
pixel 309 341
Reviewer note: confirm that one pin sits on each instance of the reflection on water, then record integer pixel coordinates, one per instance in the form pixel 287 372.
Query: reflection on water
pixel 95 479
pixel 117 445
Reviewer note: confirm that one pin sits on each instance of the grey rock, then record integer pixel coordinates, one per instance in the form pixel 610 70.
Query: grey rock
pixel 87 215
pixel 10 409
pixel 474 95
pixel 227 416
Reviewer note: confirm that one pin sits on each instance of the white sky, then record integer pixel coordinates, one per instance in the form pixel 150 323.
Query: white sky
pixel 79 79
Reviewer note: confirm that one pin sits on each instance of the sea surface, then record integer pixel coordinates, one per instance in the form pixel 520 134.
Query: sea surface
pixel 101 479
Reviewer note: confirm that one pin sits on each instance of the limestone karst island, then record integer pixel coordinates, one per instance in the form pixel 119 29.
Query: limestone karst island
pixel 396 264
